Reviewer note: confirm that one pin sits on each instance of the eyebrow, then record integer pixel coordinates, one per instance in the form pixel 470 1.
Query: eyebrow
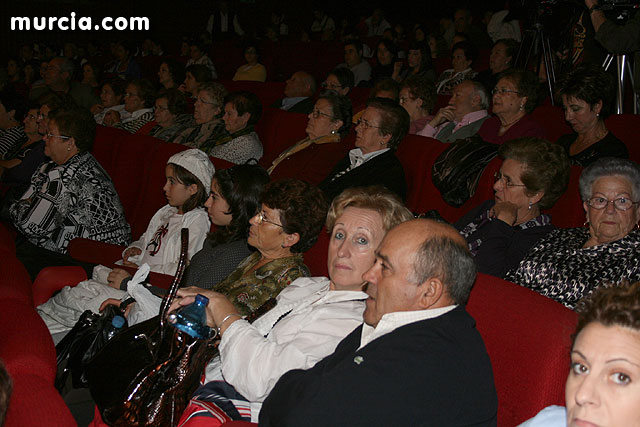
pixel 617 359
pixel 385 259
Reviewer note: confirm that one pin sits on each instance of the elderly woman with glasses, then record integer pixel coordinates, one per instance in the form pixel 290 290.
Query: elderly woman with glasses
pixel 499 232
pixel 379 132
pixel 514 99
pixel 138 107
pixel 312 158
pixel 569 264
pixel 418 97
pixel 169 111
pixel 340 80
pixel 69 196
pixel 206 124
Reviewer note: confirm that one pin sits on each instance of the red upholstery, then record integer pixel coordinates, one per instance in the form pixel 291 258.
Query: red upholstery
pixel 552 120
pixel 625 128
pixel 52 279
pixel 15 282
pixel 528 340
pixel 568 211
pixel 36 403
pixel 280 130
pixel 316 257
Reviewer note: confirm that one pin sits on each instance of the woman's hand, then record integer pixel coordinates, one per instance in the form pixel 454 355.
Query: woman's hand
pixel 182 88
pixel 218 309
pixel 97 109
pixel 111 118
pixel 116 302
pixel 506 212
pixel 397 67
pixel 129 253
pixel 116 276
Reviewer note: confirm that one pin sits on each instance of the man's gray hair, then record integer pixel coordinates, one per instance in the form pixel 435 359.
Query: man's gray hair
pixel 609 166
pixel 451 262
pixel 480 90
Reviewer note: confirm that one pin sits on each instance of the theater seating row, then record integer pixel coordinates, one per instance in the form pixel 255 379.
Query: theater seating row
pixel 526 334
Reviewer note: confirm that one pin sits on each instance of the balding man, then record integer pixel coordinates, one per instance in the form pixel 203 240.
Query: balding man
pixel 464 115
pixel 58 79
pixel 298 92
pixel 417 359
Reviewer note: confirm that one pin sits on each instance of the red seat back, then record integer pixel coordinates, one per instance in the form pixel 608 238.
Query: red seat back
pixel 552 120
pixel 528 340
pixel 625 128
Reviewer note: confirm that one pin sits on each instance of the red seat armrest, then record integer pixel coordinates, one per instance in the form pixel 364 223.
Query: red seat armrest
pixel 52 279
pixel 95 252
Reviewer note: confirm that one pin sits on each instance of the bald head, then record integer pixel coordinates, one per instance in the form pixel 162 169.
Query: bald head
pixel 300 84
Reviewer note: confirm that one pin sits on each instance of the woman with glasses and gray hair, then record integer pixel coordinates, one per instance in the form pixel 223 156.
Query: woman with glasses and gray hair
pixel 312 158
pixel 569 264
pixel 379 131
pixel 499 232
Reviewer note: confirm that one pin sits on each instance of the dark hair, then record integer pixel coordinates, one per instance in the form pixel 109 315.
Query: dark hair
pixel 386 84
pixel 590 83
pixel 425 54
pixel 241 187
pixel 176 101
pixel 511 47
pixel 303 209
pixel 176 70
pixel 146 91
pixel 199 72
pixel 199 44
pixel 611 305
pixel 12 101
pixel 117 85
pixel 547 167
pixel 97 71
pixel 57 101
pixel 344 76
pixel 442 257
pixel 6 388
pixel 246 102
pixel 186 178
pixel 526 84
pixel 356 44
pixel 394 120
pixel 391 47
pixel 77 123
pixel 251 43
pixel 340 110
pixel 423 88
pixel 470 51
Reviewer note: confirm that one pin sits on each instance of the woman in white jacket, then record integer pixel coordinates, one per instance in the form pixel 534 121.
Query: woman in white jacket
pixel 311 317
pixel 187 187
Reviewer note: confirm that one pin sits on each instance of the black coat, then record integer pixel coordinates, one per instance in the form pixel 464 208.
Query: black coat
pixel 384 169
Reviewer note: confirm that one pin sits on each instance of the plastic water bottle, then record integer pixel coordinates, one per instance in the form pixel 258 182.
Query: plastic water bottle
pixel 192 319
pixel 116 325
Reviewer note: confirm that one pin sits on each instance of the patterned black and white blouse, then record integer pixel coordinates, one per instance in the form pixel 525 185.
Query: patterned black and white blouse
pixel 560 268
pixel 75 199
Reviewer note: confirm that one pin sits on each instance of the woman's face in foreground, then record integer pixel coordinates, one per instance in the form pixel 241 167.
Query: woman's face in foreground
pixel 603 386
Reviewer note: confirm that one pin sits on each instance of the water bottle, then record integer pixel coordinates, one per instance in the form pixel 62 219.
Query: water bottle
pixel 192 319
pixel 116 325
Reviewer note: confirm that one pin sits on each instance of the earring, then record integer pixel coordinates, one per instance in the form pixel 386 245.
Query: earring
pixel 530 204
pixel 334 132
pixel 68 148
pixel 586 224
pixel 521 107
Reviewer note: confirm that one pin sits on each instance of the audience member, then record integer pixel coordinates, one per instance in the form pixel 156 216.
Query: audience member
pixel 386 54
pixel 353 57
pixel 418 97
pixel 223 23
pixel 207 126
pixel 376 24
pixel 125 66
pixel 419 61
pixel 138 107
pixel 463 117
pixel 339 80
pixel 252 70
pixel 169 113
pixel 194 75
pixel 199 57
pixel 462 56
pixel 503 55
pixel 323 26
pixel 170 74
pixel 58 78
pixel 111 97
pixel 298 92
pixel 416 332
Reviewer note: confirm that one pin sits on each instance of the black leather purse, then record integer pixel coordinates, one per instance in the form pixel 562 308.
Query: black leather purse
pixel 146 374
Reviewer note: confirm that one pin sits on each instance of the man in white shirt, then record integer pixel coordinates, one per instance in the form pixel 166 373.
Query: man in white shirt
pixel 353 50
pixel 298 92
pixel 464 115
pixel 417 360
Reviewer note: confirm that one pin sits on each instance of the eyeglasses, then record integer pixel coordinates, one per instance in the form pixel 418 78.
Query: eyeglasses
pixel 505 180
pixel 206 102
pixel 41 116
pixel 33 116
pixel 128 94
pixel 260 217
pixel 621 203
pixel 365 124
pixel 50 135
pixel 502 91
pixel 317 113
pixel 404 99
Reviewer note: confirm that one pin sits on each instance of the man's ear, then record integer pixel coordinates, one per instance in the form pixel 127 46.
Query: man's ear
pixel 431 292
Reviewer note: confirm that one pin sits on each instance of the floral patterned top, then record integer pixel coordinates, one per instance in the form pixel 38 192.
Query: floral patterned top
pixel 248 290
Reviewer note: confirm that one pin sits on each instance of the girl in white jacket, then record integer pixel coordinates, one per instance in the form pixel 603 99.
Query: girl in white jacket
pixel 187 187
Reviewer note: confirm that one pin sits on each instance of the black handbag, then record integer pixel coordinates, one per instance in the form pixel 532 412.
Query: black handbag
pixel 146 374
pixel 84 340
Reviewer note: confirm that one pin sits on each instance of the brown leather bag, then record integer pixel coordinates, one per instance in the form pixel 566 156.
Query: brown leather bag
pixel 146 374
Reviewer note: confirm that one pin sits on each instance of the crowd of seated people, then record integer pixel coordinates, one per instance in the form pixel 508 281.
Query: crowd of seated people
pixel 54 190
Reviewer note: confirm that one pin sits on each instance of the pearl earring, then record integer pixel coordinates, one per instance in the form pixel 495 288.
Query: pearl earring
pixel 530 204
